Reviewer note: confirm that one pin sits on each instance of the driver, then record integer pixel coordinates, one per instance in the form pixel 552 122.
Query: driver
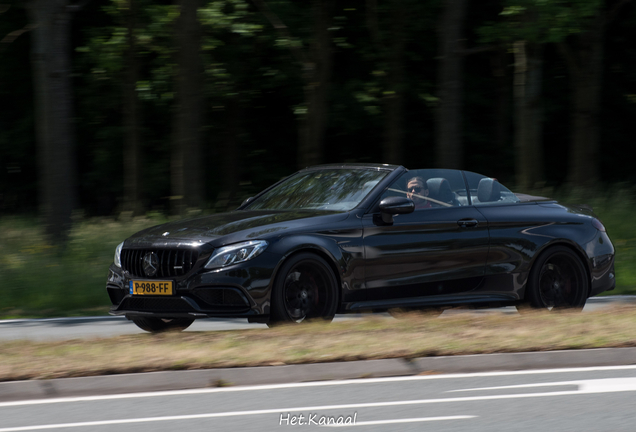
pixel 417 191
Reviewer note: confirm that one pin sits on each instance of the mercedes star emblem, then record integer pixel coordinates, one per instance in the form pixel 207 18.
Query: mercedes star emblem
pixel 151 262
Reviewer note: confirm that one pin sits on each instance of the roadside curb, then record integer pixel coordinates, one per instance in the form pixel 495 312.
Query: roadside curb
pixel 192 379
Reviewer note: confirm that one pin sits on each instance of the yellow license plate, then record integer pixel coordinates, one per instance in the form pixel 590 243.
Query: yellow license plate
pixel 151 287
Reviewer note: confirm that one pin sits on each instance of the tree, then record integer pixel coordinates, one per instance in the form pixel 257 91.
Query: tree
pixel 12 36
pixel 317 78
pixel 18 190
pixel 450 88
pixel 233 41
pixel 583 54
pixel 527 25
pixel 187 163
pixel 316 67
pixel 132 117
pixel 51 60
pixel 524 30
pixel 388 37
pixel 499 66
pixel 528 109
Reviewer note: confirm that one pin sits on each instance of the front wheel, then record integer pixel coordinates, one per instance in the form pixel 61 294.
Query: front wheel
pixel 558 280
pixel 305 288
pixel 158 325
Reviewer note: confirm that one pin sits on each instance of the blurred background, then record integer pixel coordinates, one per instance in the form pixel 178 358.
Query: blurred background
pixel 130 108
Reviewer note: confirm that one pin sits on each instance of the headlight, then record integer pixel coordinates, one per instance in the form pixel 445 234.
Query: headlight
pixel 598 225
pixel 117 258
pixel 236 253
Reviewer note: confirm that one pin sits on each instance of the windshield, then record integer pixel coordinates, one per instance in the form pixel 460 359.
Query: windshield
pixel 328 189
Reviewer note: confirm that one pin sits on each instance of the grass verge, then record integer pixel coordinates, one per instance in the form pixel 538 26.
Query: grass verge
pixel 374 337
pixel 40 280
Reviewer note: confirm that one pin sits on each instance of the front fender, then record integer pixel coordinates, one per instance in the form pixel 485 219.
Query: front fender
pixel 322 245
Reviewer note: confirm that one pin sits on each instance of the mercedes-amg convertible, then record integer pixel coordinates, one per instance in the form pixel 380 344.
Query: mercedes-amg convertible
pixel 359 237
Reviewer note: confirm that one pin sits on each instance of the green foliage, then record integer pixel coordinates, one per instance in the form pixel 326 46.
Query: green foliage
pixel 540 21
pixel 43 280
pixel 249 66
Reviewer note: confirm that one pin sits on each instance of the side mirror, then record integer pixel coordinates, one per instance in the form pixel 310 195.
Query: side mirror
pixel 395 205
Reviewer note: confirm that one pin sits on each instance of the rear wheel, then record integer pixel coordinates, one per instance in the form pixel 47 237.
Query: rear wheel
pixel 305 288
pixel 558 280
pixel 157 325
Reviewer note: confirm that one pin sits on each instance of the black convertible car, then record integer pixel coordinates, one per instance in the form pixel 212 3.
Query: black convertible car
pixel 360 237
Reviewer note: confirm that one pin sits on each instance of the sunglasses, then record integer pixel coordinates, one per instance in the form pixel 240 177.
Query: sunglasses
pixel 416 189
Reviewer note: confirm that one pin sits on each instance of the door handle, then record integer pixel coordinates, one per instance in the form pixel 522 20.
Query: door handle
pixel 466 223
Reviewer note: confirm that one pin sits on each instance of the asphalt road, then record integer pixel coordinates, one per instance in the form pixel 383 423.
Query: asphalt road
pixel 105 326
pixel 584 399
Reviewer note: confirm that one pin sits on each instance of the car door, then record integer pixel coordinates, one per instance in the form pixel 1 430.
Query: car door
pixel 439 250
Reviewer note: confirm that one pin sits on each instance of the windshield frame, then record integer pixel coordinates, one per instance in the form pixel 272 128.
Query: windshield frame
pixel 363 201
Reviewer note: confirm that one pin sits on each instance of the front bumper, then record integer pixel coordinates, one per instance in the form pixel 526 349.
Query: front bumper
pixel 603 276
pixel 601 257
pixel 242 290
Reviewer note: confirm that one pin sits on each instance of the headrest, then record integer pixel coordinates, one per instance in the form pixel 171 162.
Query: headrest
pixel 439 189
pixel 488 190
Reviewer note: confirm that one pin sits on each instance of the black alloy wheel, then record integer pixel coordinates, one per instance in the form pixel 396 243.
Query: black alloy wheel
pixel 558 280
pixel 158 325
pixel 305 289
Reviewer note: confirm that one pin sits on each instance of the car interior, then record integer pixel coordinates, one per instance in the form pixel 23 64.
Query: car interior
pixel 447 188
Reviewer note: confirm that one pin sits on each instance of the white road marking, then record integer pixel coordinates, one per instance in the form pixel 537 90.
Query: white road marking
pixel 410 420
pixel 604 385
pixel 306 384
pixel 45 320
pixel 586 387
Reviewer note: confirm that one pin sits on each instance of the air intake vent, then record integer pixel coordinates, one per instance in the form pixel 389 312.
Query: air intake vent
pixel 215 297
pixel 170 262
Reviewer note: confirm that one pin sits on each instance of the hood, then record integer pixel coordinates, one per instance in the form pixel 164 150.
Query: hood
pixel 528 198
pixel 579 209
pixel 225 228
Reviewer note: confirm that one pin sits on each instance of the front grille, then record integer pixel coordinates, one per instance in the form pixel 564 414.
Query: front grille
pixel 155 304
pixel 172 262
pixel 222 297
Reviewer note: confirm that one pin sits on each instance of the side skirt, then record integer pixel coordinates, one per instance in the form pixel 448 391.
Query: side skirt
pixel 479 300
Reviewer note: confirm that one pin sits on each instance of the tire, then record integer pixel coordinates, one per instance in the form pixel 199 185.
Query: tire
pixel 558 280
pixel 305 288
pixel 158 325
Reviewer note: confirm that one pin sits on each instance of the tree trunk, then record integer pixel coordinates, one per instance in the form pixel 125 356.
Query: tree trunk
pixel 528 114
pixel 502 99
pixel 187 164
pixel 231 153
pixel 317 76
pixel 450 83
pixel 132 162
pixel 585 64
pixel 394 97
pixel 389 47
pixel 51 58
